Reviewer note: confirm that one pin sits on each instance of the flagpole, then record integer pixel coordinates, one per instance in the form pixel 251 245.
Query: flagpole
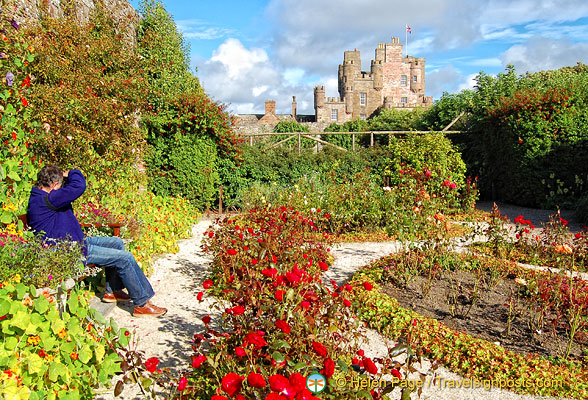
pixel 406 42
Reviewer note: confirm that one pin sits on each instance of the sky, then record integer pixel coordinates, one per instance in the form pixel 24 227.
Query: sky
pixel 248 51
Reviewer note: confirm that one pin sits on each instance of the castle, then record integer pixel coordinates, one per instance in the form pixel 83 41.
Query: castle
pixel 393 82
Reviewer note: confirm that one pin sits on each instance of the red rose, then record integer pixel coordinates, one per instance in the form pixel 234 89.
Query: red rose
pixel 255 339
pixel 199 296
pixel 197 361
pixel 368 286
pixel 319 349
pixel 360 352
pixel 278 383
pixel 256 380
pixel 274 259
pixel 297 382
pixel 240 352
pixel 578 235
pixel 279 295
pixel 206 319
pixel 305 304
pixel 238 310
pixel 183 383
pixel 292 277
pixel 306 395
pixel 369 366
pixel 231 384
pixel 269 272
pixel 329 367
pixel 283 326
pixel 240 397
pixel 323 266
pixel 347 303
pixel 151 364
pixel 253 261
pixel 275 396
pixel 218 397
pixel 396 373
pixel 232 252
pixel 207 284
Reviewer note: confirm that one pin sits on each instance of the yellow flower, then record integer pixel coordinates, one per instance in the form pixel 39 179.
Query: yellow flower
pixel 11 228
pixel 9 207
pixel 31 49
pixel 62 333
pixel 27 301
pixel 16 278
pixel 33 340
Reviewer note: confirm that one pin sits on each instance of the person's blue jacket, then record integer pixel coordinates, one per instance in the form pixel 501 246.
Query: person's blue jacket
pixel 57 220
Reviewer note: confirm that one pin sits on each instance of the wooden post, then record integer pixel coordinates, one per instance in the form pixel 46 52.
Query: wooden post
pixel 353 142
pixel 220 200
pixel 250 141
pixel 371 139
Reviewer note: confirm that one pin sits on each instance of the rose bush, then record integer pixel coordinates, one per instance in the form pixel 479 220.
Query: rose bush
pixel 280 322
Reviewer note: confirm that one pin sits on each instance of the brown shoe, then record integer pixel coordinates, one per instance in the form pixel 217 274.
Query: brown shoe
pixel 149 310
pixel 119 296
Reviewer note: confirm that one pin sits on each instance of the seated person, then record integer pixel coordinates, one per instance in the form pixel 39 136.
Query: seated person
pixel 50 212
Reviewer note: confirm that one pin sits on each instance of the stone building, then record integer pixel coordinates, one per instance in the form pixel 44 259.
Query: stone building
pixel 394 81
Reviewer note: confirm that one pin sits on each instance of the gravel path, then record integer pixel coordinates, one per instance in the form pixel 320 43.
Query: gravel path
pixel 177 278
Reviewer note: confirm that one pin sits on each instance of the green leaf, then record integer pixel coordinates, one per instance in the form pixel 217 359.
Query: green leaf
pixel 10 343
pixel 14 176
pixel 343 366
pixel 281 344
pixel 56 369
pixel 85 354
pixel 41 305
pixel 20 320
pixel 279 357
pixel 99 351
pixel 35 363
pixel 4 307
pixel 21 290
pixel 399 349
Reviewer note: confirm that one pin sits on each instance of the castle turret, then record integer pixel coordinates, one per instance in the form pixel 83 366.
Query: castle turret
pixel 377 73
pixel 319 97
pixel 348 99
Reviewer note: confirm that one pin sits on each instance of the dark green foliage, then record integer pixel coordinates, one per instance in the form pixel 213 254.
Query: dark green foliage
pixel 184 165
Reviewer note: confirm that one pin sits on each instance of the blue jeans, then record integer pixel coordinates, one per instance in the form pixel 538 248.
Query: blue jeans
pixel 121 268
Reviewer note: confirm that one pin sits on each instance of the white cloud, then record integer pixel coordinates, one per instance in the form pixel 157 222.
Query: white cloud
pixel 245 78
pixel 197 29
pixel 541 53
pixel 442 80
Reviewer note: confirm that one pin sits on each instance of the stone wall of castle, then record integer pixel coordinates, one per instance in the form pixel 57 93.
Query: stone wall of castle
pixel 393 81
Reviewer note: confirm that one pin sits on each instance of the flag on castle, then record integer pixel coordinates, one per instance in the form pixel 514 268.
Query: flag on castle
pixel 408 29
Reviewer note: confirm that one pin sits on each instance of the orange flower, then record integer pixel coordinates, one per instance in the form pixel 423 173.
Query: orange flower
pixel 563 248
pixel 33 340
pixel 62 333
pixel 74 356
pixel 440 217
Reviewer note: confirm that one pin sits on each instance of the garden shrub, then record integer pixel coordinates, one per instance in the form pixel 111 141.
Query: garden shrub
pixel 51 353
pixel 88 89
pixel 184 166
pixel 429 152
pixel 31 261
pixel 582 209
pixel 18 166
pixel 281 322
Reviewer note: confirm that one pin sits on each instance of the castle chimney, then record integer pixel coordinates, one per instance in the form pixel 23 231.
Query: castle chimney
pixel 294 107
pixel 270 107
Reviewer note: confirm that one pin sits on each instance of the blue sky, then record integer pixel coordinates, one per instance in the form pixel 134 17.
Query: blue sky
pixel 246 52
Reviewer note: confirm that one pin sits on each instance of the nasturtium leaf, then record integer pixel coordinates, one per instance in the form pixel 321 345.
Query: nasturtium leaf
pixel 41 305
pixel 99 351
pixel 10 343
pixel 56 369
pixel 85 354
pixel 34 363
pixel 4 307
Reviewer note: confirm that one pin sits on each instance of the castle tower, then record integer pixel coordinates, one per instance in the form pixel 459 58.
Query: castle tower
pixel 294 107
pixel 377 72
pixel 351 70
pixel 319 97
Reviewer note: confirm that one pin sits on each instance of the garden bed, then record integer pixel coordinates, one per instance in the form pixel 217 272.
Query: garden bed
pixel 487 318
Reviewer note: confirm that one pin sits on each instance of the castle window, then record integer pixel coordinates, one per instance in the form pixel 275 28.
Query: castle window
pixel 363 99
pixel 403 80
pixel 362 116
pixel 403 100
pixel 414 79
pixel 334 114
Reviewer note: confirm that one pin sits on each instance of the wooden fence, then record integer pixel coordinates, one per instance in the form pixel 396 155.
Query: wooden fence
pixel 313 136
